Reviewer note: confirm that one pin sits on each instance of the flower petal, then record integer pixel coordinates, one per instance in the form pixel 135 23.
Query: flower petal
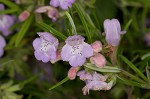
pixel 66 53
pixel 36 43
pixel 77 60
pixel 87 50
pixel 55 3
pixel 2 42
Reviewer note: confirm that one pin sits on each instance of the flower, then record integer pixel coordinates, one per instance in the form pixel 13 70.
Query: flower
pixel 84 75
pixel 94 85
pixel 112 31
pixel 24 15
pixel 2 45
pixel 97 46
pixel 63 4
pixel 99 60
pixel 76 51
pixel 94 81
pixel 45 47
pixel 6 21
pixel 2 7
pixel 51 12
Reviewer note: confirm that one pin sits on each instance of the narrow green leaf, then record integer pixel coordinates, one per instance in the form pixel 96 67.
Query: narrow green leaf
pixel 145 56
pixel 51 30
pixel 133 67
pixel 14 88
pixel 33 78
pixel 132 76
pixel 81 15
pixel 128 24
pixel 129 82
pixel 148 73
pixel 6 63
pixel 104 69
pixel 74 31
pixel 23 30
pixel 10 4
pixel 60 83
pixel 8 11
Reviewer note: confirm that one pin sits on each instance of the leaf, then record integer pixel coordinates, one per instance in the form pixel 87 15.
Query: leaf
pixel 10 4
pixel 129 82
pixel 133 67
pixel 148 73
pixel 128 24
pixel 145 56
pixel 8 11
pixel 60 83
pixel 51 30
pixel 74 31
pixel 104 69
pixel 14 88
pixel 81 15
pixel 23 30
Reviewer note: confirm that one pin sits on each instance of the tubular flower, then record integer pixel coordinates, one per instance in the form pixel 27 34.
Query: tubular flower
pixel 2 45
pixel 112 31
pixel 63 4
pixel 6 21
pixel 76 51
pixel 94 81
pixel 45 47
pixel 51 12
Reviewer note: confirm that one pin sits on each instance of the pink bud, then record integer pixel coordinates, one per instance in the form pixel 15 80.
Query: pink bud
pixel 97 46
pixel 99 60
pixel 24 15
pixel 72 73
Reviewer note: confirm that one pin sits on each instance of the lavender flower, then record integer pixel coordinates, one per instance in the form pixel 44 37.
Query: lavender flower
pixel 45 47
pixel 51 12
pixel 113 31
pixel 6 21
pixel 2 45
pixel 1 6
pixel 76 51
pixel 94 81
pixel 63 4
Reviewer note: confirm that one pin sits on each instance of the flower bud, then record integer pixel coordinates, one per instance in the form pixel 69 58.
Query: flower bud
pixel 97 46
pixel 24 15
pixel 99 60
pixel 72 73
